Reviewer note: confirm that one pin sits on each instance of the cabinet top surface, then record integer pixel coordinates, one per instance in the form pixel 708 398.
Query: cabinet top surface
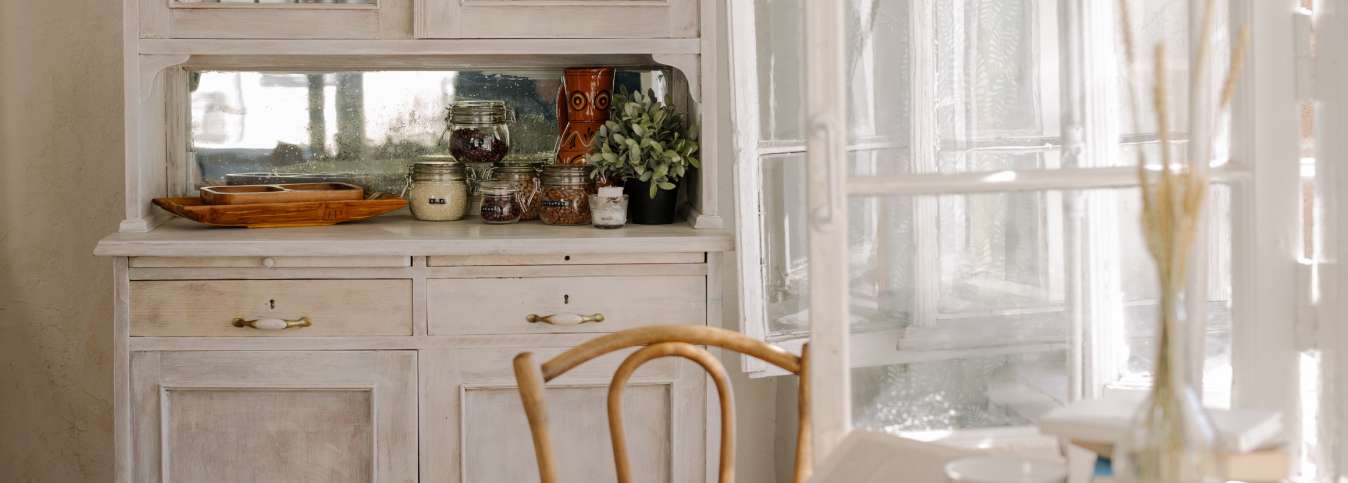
pixel 400 234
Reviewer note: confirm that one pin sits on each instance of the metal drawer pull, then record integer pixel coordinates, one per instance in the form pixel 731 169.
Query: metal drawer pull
pixel 272 324
pixel 566 319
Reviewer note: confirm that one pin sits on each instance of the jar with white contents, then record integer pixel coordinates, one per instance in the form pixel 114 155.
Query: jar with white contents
pixel 608 208
pixel 438 191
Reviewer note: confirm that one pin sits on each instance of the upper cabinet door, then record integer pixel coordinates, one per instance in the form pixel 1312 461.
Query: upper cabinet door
pixel 655 19
pixel 276 19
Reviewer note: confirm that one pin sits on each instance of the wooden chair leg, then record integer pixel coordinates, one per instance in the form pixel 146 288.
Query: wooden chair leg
pixel 530 379
pixel 804 444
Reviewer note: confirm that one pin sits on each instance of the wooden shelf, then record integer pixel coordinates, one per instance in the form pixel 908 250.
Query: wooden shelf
pixel 534 47
pixel 400 234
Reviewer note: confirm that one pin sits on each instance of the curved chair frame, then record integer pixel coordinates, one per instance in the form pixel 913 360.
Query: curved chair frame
pixel 658 342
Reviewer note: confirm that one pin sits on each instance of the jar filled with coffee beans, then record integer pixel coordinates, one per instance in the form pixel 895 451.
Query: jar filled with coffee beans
pixel 565 196
pixel 528 186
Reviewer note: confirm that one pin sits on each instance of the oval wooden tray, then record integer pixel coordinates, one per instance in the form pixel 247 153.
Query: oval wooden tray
pixel 275 215
pixel 280 193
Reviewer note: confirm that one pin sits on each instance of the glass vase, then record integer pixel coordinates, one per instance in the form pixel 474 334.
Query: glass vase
pixel 1171 439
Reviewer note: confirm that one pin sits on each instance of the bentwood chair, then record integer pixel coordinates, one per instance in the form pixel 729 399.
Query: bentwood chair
pixel 658 342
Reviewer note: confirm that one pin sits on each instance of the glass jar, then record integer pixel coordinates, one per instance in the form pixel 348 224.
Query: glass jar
pixel 499 206
pixel 608 212
pixel 565 199
pixel 528 187
pixel 437 191
pixel 478 132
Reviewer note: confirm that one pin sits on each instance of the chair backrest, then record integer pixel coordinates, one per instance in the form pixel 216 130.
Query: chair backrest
pixel 657 342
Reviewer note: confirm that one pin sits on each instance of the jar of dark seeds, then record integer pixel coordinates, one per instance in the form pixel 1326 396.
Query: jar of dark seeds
pixel 565 199
pixel 478 132
pixel 528 187
pixel 499 205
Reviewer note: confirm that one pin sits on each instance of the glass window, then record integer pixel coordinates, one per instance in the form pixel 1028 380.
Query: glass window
pixel 967 307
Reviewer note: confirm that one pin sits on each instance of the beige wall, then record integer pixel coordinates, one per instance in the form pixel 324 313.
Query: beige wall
pixel 60 189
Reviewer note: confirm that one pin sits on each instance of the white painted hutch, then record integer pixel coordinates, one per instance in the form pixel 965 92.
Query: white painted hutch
pixel 402 372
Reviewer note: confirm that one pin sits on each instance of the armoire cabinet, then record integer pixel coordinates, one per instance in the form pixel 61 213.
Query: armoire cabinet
pixel 380 351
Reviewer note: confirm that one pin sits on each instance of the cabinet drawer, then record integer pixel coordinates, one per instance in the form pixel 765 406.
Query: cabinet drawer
pixel 269 262
pixel 209 308
pixel 557 19
pixel 293 19
pixel 564 259
pixel 505 305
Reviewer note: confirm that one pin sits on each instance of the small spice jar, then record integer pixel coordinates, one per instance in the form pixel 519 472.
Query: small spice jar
pixel 499 205
pixel 528 186
pixel 478 132
pixel 565 199
pixel 437 191
pixel 608 209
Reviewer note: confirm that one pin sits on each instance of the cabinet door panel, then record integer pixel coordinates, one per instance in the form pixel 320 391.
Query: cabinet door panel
pixel 474 428
pixel 557 18
pixel 331 416
pixel 179 19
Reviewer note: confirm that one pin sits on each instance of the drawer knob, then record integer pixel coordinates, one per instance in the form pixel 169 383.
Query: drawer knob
pixel 272 324
pixel 566 319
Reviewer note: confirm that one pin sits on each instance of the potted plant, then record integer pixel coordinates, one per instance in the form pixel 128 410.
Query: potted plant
pixel 647 147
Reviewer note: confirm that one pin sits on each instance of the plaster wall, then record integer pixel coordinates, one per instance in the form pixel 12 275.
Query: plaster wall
pixel 60 191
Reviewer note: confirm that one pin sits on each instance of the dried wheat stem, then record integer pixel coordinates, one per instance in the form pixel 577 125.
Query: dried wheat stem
pixel 1237 64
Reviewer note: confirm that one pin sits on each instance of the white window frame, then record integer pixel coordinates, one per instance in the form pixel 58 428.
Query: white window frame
pixel 1263 192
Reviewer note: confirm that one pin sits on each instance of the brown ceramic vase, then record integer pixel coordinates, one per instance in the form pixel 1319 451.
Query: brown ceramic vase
pixel 582 107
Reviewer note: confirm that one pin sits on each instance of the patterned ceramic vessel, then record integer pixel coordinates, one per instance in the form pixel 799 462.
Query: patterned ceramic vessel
pixel 582 107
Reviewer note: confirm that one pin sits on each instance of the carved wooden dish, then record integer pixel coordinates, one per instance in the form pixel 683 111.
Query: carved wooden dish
pixel 280 193
pixel 274 215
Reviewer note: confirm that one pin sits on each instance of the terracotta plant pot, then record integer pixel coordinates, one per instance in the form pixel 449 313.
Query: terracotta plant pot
pixel 582 107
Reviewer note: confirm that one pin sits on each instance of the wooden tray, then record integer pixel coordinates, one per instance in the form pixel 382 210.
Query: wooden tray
pixel 280 193
pixel 270 215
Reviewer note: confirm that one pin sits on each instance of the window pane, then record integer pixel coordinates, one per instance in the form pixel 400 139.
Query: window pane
pixel 879 75
pixel 995 68
pixel 880 254
pixel 990 74
pixel 361 126
pixel 781 70
pixel 1141 299
pixel 995 282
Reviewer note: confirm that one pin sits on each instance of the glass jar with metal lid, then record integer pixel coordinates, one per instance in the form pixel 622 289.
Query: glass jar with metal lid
pixel 565 196
pixel 437 191
pixel 499 205
pixel 528 186
pixel 478 132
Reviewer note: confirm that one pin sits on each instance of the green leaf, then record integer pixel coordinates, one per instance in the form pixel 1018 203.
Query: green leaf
pixel 695 162
pixel 655 188
pixel 613 126
pixel 609 157
pixel 646 176
pixel 667 186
